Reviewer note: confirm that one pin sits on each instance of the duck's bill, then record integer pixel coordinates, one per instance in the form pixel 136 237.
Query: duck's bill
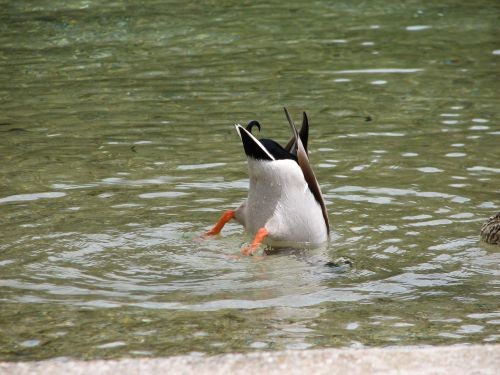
pixel 252 146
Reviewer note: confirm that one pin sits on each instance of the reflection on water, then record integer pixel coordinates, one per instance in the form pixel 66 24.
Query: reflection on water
pixel 118 150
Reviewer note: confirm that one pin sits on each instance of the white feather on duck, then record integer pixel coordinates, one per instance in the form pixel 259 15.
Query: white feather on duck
pixel 285 206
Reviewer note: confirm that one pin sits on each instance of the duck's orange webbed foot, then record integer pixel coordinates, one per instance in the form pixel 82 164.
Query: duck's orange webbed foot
pixel 259 237
pixel 226 216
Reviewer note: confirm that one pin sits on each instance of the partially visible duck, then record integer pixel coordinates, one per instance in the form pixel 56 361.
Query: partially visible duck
pixel 285 206
pixel 490 230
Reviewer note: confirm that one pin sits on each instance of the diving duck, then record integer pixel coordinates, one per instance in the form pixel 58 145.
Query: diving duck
pixel 285 206
pixel 490 230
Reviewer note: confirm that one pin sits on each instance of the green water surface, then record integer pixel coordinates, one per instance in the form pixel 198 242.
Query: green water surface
pixel 117 150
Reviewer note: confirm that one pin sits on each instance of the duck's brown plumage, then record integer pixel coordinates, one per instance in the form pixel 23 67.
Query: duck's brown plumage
pixel 490 231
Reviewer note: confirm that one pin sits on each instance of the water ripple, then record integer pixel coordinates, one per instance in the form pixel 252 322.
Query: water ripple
pixel 31 197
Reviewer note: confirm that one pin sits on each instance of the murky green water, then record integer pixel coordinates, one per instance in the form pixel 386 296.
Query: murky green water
pixel 118 148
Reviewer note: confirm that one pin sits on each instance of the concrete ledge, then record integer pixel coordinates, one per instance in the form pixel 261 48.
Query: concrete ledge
pixel 477 359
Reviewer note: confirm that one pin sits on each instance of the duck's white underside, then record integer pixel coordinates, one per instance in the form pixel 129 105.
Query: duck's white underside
pixel 279 200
